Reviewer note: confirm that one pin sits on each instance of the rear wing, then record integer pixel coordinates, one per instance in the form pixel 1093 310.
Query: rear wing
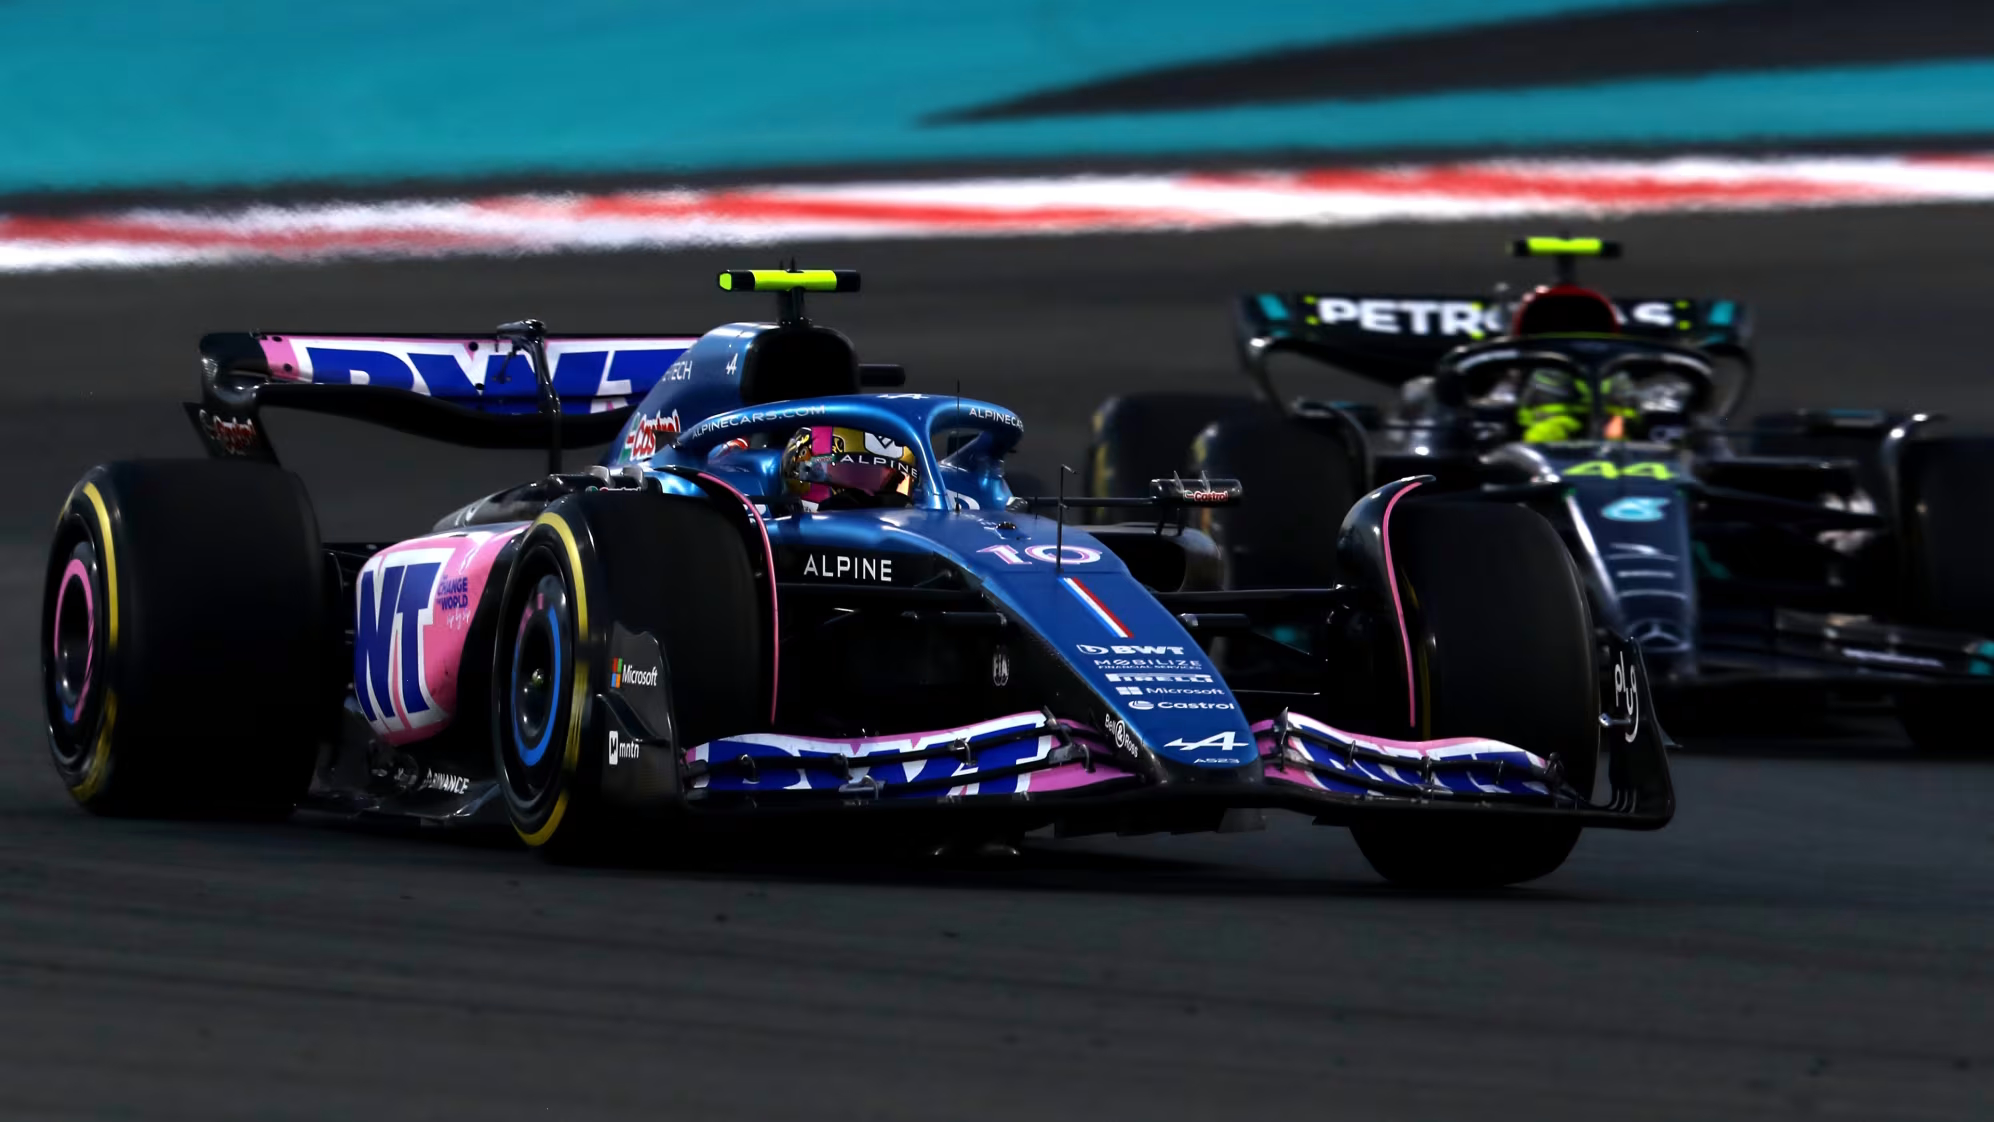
pixel 1392 339
pixel 481 391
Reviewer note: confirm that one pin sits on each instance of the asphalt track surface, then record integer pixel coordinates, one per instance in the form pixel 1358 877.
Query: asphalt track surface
pixel 1812 938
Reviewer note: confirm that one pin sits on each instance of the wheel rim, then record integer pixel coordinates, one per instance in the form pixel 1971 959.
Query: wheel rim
pixel 535 686
pixel 74 658
pixel 74 641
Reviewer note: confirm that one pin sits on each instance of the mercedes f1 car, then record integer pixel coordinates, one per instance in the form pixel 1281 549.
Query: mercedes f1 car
pixel 1826 553
pixel 779 597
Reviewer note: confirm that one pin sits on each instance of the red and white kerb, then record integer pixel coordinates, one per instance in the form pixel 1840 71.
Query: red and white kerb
pixel 782 214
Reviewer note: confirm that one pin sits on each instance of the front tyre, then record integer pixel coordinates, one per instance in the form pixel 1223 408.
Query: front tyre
pixel 1143 436
pixel 542 705
pixel 1502 647
pixel 674 568
pixel 1299 481
pixel 1949 523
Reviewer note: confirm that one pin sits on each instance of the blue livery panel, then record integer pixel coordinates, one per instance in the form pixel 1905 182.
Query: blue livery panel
pixel 1155 685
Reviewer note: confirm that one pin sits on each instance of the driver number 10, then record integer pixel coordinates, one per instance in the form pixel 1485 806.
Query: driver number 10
pixel 1050 554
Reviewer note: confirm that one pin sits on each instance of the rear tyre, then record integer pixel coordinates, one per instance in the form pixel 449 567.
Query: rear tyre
pixel 1503 648
pixel 1949 524
pixel 1299 483
pixel 675 568
pixel 1143 436
pixel 187 642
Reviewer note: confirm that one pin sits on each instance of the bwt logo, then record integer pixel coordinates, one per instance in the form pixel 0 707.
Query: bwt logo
pixel 1091 649
pixel 453 369
pixel 390 680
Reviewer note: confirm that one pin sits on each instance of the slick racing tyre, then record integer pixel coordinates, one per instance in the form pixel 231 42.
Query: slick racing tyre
pixel 1949 526
pixel 187 640
pixel 1298 483
pixel 674 568
pixel 1143 436
pixel 1503 648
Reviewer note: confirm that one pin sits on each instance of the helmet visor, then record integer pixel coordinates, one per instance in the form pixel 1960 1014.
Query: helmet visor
pixel 876 478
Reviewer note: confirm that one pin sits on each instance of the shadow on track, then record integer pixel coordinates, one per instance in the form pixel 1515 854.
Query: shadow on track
pixel 828 856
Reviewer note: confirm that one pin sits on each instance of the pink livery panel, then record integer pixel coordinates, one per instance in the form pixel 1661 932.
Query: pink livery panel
pixel 413 605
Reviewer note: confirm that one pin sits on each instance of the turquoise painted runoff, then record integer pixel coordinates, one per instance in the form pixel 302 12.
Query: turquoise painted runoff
pixel 136 94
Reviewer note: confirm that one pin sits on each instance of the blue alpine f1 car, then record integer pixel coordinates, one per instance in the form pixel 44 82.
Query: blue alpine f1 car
pixel 781 597
pixel 1827 553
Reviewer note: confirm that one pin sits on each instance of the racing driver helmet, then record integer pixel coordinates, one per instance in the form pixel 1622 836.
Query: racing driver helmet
pixel 1558 309
pixel 1554 406
pixel 848 469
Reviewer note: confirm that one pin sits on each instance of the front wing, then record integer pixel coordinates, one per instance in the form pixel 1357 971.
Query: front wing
pixel 1035 768
pixel 1046 767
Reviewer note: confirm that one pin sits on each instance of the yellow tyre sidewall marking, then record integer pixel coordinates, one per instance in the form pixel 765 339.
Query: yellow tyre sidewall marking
pixel 100 758
pixel 572 753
